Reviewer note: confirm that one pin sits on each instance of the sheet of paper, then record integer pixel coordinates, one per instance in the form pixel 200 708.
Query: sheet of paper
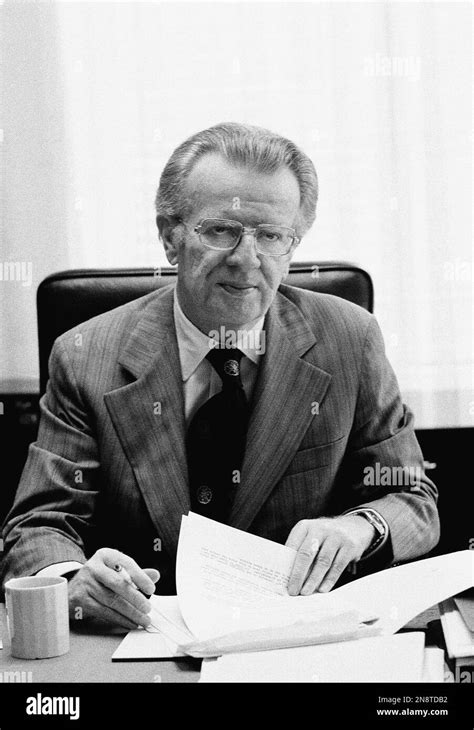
pixel 339 628
pixel 459 639
pixel 433 667
pixel 399 594
pixel 141 645
pixel 244 568
pixel 166 618
pixel 465 605
pixel 222 571
pixel 398 658
pixel 230 582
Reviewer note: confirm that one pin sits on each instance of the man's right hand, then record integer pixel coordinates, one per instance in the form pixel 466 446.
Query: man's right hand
pixel 100 594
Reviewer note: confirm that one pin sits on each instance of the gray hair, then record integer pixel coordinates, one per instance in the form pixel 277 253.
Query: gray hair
pixel 241 144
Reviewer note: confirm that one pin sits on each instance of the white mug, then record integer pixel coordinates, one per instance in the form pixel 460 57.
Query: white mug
pixel 38 616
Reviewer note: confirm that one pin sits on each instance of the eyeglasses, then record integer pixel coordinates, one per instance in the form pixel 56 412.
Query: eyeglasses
pixel 221 234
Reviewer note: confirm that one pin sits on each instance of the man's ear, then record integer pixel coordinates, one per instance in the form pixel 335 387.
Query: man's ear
pixel 166 227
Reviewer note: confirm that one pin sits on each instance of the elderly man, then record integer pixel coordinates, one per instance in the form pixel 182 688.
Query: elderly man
pixel 231 394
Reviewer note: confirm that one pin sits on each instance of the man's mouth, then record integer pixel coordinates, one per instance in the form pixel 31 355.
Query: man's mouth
pixel 237 288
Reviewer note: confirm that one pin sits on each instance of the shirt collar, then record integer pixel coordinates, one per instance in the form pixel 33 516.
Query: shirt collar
pixel 193 345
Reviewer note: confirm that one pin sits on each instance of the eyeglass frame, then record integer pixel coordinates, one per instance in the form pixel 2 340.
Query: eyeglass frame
pixel 244 231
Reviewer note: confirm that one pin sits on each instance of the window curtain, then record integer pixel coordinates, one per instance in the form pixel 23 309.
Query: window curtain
pixel 97 95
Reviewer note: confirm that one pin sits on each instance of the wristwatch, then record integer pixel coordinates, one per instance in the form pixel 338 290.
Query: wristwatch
pixel 379 525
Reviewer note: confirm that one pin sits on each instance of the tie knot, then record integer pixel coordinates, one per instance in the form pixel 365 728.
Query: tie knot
pixel 226 362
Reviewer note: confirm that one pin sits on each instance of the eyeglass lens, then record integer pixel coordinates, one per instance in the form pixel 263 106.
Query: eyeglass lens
pixel 271 239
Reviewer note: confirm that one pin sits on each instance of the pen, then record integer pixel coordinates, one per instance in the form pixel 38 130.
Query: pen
pixel 119 569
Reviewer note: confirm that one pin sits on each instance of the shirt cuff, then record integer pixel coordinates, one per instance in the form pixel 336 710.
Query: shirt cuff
pixel 380 542
pixel 56 570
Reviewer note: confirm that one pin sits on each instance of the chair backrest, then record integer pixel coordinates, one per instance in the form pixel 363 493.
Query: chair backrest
pixel 68 298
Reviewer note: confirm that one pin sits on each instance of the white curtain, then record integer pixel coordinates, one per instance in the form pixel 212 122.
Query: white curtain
pixel 97 95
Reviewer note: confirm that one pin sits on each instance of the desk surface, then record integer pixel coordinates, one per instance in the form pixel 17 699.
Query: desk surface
pixel 89 659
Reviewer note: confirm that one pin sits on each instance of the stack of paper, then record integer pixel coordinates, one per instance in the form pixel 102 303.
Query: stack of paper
pixel 458 633
pixel 232 597
pixel 398 658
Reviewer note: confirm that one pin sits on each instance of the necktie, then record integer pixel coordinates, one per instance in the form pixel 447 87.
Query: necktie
pixel 215 441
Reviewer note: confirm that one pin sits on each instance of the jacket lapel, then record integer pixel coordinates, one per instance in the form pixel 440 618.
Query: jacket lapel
pixel 148 416
pixel 285 390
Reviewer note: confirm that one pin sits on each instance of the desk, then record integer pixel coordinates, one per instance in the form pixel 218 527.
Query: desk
pixel 89 658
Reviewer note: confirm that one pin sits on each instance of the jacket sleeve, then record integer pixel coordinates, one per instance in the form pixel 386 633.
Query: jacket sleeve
pixel 54 505
pixel 383 461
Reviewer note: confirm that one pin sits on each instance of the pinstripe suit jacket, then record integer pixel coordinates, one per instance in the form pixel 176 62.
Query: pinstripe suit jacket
pixel 109 466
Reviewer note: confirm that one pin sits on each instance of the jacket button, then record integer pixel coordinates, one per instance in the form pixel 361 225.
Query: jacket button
pixel 204 495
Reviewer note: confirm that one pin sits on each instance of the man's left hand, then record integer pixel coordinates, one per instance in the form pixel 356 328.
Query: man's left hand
pixel 325 548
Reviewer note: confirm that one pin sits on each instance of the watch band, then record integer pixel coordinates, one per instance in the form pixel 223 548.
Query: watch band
pixel 379 525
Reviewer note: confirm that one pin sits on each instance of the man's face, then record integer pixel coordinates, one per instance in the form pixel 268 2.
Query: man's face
pixel 231 288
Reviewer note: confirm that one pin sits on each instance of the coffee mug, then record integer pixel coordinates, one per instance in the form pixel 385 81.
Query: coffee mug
pixel 37 616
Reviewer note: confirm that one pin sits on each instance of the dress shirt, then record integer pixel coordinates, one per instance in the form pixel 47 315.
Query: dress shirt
pixel 200 380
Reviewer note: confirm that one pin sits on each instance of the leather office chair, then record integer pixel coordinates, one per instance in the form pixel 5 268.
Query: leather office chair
pixel 68 298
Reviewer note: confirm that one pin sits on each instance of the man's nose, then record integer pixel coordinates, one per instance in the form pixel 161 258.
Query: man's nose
pixel 245 253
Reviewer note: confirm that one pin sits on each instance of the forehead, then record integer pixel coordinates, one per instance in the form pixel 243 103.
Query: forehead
pixel 219 188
